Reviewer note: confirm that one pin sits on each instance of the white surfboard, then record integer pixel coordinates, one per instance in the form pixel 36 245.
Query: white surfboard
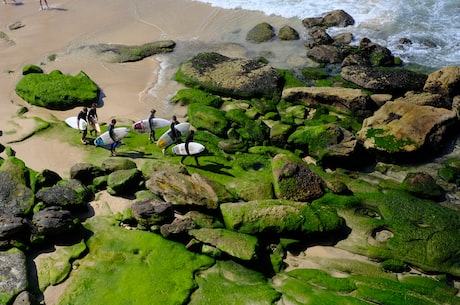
pixel 167 139
pixel 144 126
pixel 72 122
pixel 193 147
pixel 105 139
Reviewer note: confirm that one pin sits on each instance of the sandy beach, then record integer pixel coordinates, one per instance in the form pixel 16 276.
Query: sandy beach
pixel 130 90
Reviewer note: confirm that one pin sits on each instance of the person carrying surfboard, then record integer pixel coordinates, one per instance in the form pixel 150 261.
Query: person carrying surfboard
pixel 175 134
pixel 187 141
pixel 82 115
pixel 152 127
pixel 92 119
pixel 113 137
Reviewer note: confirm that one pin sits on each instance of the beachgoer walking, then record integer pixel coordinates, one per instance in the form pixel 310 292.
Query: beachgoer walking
pixel 187 141
pixel 6 1
pixel 175 134
pixel 152 125
pixel 92 119
pixel 82 115
pixel 46 4
pixel 112 135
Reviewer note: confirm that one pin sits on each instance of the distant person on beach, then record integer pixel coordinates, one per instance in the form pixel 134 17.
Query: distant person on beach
pixel 46 4
pixel 92 118
pixel 112 135
pixel 82 115
pixel 6 1
pixel 152 125
pixel 187 141
pixel 175 134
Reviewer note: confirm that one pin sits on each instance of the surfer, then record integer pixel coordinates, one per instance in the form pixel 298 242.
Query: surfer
pixel 41 4
pixel 187 141
pixel 82 115
pixel 92 119
pixel 113 137
pixel 175 134
pixel 151 124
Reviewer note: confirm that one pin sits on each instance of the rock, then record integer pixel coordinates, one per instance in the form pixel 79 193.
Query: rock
pixel 324 54
pixel 53 221
pixel 239 245
pixel 207 118
pixel 13 274
pixel 349 100
pixel 181 189
pixel 12 227
pixel 320 36
pixel 278 216
pixel 124 181
pixel 178 229
pixel 122 53
pixel 46 178
pixel 39 89
pixel 422 185
pixel 26 298
pixel 63 196
pixel 445 81
pixel 425 99
pixel 113 164
pixel 297 182
pixel 235 77
pixel 288 33
pixel 28 69
pixel 85 172
pixel 336 18
pixel 400 127
pixel 260 33
pixel 395 81
pixel 15 197
pixel 150 212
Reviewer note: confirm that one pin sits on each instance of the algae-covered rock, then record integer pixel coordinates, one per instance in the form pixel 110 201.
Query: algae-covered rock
pixel 422 185
pixel 260 33
pixel 235 77
pixel 228 283
pixel 53 268
pixel 123 53
pixel 150 212
pixel 189 96
pixel 61 195
pixel 279 216
pixel 207 118
pixel 239 245
pixel 124 263
pixel 53 221
pixel 57 91
pixel 124 181
pixel 28 69
pixel 113 164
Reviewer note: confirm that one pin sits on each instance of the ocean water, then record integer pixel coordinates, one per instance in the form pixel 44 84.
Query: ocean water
pixel 433 26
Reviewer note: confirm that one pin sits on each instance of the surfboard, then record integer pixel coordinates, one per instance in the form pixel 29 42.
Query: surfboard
pixel 105 139
pixel 193 147
pixel 144 126
pixel 96 126
pixel 167 139
pixel 72 122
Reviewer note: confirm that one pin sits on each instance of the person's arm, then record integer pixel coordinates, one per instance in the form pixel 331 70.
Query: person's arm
pixel 112 134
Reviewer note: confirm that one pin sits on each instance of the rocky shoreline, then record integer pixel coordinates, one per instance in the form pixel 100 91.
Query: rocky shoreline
pixel 284 170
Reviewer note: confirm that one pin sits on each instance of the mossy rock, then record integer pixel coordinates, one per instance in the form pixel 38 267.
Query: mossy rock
pixel 196 96
pixel 207 118
pixel 124 182
pixel 57 91
pixel 28 69
pixel 421 185
pixel 260 33
pixel 123 53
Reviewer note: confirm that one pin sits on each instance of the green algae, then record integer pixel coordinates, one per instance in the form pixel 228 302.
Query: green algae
pixel 132 267
pixel 228 283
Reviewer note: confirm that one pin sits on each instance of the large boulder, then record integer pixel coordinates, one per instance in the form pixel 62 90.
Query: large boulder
pixel 12 228
pixel 122 53
pixel 279 216
pixel 40 89
pixel 400 127
pixel 235 77
pixel 63 196
pixel 15 197
pixel 381 80
pixel 113 164
pixel 354 101
pixel 181 189
pixel 150 212
pixel 85 172
pixel 53 221
pixel 335 18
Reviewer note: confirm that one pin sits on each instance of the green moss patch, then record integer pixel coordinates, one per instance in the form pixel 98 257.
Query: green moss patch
pixel 125 266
